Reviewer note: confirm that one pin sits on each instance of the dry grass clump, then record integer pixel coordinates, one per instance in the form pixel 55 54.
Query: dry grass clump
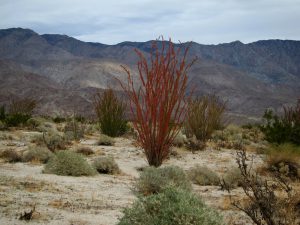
pixel 106 165
pixel 194 144
pixel 172 206
pixel 68 163
pixel 11 155
pixel 179 140
pixel 105 140
pixel 284 159
pixel 85 150
pixel 232 179
pixel 154 180
pixel 37 154
pixel 202 175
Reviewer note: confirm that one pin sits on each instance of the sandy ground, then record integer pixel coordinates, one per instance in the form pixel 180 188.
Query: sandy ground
pixel 101 198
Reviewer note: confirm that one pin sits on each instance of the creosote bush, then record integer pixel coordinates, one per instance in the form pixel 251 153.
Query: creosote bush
pixel 204 115
pixel 154 180
pixel 40 154
pixel 285 128
pixel 111 113
pixel 202 175
pixel 68 163
pixel 172 206
pixel 158 104
pixel 105 140
pixel 106 165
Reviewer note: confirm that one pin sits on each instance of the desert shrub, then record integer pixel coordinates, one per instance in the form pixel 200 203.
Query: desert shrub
pixel 232 178
pixel 59 119
pixel 11 155
pixel 40 154
pixel 269 202
pixel 35 123
pixel 105 140
pixel 204 116
pixel 202 175
pixel 284 159
pixel 285 128
pixel 179 140
pixel 54 141
pixel 172 206
pixel 111 113
pixel 74 130
pixel 106 165
pixel 68 163
pixel 19 111
pixel 154 180
pixel 193 144
pixel 2 113
pixel 85 150
pixel 3 126
pixel 158 105
pixel 46 127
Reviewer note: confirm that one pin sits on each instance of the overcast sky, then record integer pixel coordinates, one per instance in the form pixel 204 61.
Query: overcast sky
pixel 202 21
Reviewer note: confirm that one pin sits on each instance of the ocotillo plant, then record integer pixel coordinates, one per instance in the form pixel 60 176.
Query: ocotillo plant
pixel 158 105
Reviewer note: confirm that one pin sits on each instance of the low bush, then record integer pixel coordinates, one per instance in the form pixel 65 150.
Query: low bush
pixel 194 144
pixel 11 155
pixel 68 163
pixel 202 175
pixel 3 125
pixel 172 206
pixel 105 140
pixel 54 141
pixel 106 165
pixel 40 154
pixel 154 180
pixel 74 130
pixel 284 159
pixel 34 123
pixel 111 113
pixel 85 150
pixel 232 178
pixel 179 140
pixel 285 128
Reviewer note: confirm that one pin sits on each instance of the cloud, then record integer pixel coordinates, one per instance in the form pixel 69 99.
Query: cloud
pixel 114 21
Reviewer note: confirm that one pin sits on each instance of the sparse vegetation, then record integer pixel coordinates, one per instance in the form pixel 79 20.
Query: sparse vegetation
pixel 159 104
pixel 37 154
pixel 285 128
pixel 204 115
pixel 154 180
pixel 232 179
pixel 111 113
pixel 269 202
pixel 202 175
pixel 54 141
pixel 68 163
pixel 106 165
pixel 105 140
pixel 74 130
pixel 172 206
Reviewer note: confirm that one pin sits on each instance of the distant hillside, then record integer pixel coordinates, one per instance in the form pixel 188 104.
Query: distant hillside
pixel 64 73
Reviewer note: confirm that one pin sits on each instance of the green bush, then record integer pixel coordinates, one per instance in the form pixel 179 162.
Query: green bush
pixel 171 207
pixel 34 123
pixel 67 163
pixel 40 154
pixel 204 116
pixel 11 155
pixel 2 125
pixel 59 119
pixel 106 165
pixel 154 180
pixel 281 129
pixel 2 113
pixel 203 176
pixel 111 113
pixel 105 140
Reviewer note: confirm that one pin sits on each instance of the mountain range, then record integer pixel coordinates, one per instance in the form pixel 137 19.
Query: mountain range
pixel 63 73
